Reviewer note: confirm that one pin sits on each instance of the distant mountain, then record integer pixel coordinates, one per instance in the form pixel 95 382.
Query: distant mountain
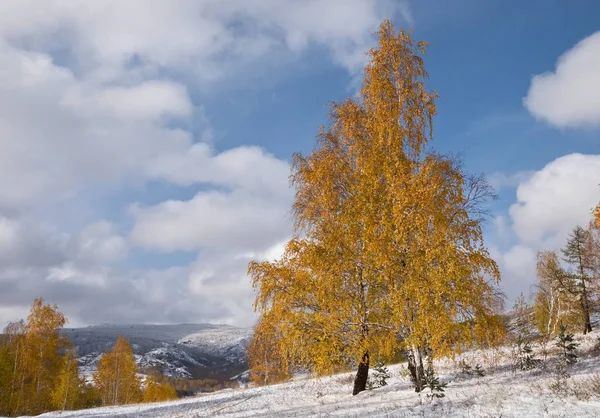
pixel 191 351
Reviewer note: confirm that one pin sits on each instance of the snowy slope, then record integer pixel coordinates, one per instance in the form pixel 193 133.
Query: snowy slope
pixel 227 342
pixel 185 350
pixel 503 392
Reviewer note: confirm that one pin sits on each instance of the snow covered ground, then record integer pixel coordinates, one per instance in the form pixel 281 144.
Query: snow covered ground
pixel 503 392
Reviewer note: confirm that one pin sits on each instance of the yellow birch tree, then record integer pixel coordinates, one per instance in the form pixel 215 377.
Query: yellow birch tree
pixel 69 387
pixel 388 252
pixel 157 389
pixel 116 379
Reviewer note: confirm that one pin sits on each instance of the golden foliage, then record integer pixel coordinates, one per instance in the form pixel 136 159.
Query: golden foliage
pixel 156 389
pixel 68 390
pixel 389 252
pixel 554 304
pixel 116 378
pixel 34 351
pixel 265 357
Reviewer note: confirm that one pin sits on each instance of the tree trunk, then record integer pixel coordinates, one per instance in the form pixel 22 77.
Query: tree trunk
pixel 585 307
pixel 415 366
pixel 360 381
pixel 587 326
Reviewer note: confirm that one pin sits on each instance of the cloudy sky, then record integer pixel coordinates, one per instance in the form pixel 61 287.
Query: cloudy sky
pixel 145 144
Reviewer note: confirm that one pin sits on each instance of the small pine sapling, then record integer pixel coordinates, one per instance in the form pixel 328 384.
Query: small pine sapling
pixel 526 357
pixel 568 347
pixel 433 383
pixel 380 376
pixel 467 369
pixel 479 372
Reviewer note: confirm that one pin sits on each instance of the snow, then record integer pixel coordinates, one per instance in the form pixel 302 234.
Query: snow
pixel 185 350
pixel 503 392
pixel 228 342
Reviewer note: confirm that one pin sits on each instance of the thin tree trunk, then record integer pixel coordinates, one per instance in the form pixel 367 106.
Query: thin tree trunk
pixel 64 405
pixel 14 378
pixel 362 374
pixel 415 366
pixel 587 325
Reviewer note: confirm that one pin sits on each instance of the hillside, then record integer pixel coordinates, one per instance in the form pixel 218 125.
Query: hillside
pixel 185 350
pixel 503 392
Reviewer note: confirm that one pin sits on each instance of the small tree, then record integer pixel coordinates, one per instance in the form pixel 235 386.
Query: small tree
pixel 68 390
pixel 525 357
pixel 432 382
pixel 568 347
pixel 116 377
pixel 380 375
pixel 579 281
pixel 157 389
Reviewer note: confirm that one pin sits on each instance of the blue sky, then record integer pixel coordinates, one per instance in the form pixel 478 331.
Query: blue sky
pixel 145 145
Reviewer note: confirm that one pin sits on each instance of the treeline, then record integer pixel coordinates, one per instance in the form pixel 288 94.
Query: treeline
pixel 39 371
pixel 188 387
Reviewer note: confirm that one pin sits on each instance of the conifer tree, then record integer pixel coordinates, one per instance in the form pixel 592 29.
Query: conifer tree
pixel 116 377
pixel 432 382
pixel 578 280
pixel 388 252
pixel 567 346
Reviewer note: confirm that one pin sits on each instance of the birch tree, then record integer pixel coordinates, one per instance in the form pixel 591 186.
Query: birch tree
pixel 388 253
pixel 67 392
pixel 116 379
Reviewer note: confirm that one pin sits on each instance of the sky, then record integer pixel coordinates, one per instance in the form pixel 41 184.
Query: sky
pixel 145 145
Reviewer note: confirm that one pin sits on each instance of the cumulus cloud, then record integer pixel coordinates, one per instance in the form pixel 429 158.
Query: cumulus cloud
pixel 98 242
pixel 550 203
pixel 80 273
pixel 556 198
pixel 111 36
pixel 236 220
pixel 569 96
pixel 97 95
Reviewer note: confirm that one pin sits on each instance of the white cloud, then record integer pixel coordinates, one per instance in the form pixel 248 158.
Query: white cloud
pixel 556 198
pixel 569 96
pixel 59 134
pixel 94 95
pixel 221 276
pixel 550 203
pixel 217 219
pixel 84 99
pixel 99 242
pixel 104 37
pixel 247 167
pixel 149 100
